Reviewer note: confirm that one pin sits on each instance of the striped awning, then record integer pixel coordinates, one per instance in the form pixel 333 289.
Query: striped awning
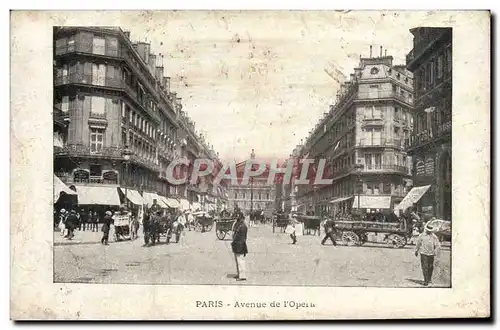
pixel 133 196
pixel 97 195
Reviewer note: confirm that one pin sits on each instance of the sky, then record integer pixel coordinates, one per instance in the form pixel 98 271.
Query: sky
pixel 257 80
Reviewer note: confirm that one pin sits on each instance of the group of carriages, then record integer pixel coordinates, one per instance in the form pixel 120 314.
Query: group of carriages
pixel 395 229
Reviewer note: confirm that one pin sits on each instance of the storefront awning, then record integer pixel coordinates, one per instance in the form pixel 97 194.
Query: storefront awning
pixel 412 197
pixel 184 204
pixel 162 201
pixel 372 202
pixel 341 199
pixel 172 203
pixel 133 196
pixel 150 197
pixel 59 187
pixel 97 195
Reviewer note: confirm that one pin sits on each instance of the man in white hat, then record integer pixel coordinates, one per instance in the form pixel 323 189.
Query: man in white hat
pixel 428 246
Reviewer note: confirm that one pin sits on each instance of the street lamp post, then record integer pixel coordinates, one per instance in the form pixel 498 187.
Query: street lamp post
pixel 126 157
pixel 252 156
pixel 359 169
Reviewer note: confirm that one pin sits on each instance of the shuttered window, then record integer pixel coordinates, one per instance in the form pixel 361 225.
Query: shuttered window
pixel 98 45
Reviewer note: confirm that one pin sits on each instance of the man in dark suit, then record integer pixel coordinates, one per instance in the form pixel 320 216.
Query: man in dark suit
pixel 239 246
pixel 329 231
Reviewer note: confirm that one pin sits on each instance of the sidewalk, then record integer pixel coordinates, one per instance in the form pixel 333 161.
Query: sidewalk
pixel 81 237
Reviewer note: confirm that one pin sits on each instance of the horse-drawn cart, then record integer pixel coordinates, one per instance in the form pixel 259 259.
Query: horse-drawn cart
pixel 224 226
pixel 356 232
pixel 203 221
pixel 121 224
pixel 280 220
pixel 311 223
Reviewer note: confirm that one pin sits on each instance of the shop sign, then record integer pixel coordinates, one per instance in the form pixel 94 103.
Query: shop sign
pixel 420 168
pixel 81 175
pixel 111 176
pixel 429 166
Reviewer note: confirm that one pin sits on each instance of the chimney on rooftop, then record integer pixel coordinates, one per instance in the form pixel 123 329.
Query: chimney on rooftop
pixel 370 51
pixel 381 52
pixel 386 52
pixel 167 84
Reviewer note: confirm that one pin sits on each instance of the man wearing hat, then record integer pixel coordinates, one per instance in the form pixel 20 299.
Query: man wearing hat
pixel 239 247
pixel 71 223
pixel 428 246
pixel 106 226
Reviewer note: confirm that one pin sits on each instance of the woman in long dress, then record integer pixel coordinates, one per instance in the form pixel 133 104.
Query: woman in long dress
pixel 62 220
pixel 295 228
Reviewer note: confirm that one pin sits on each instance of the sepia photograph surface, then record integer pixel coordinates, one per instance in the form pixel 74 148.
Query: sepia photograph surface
pixel 250 164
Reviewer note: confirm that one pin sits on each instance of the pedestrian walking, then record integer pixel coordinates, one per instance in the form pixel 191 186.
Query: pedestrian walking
pixel 134 228
pixel 106 226
pixel 71 224
pixel 428 246
pixel 62 221
pixel 295 228
pixel 94 219
pixel 239 247
pixel 329 231
pixel 146 227
pixel 84 219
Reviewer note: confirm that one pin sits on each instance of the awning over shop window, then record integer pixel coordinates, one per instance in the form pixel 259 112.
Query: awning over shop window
pixel 133 196
pixel 97 195
pixel 162 201
pixel 172 203
pixel 341 199
pixel 59 187
pixel 372 202
pixel 150 197
pixel 184 204
pixel 412 197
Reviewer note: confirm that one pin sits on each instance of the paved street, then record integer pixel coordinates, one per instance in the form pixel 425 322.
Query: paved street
pixel 200 258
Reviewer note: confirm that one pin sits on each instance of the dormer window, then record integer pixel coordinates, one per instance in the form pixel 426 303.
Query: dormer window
pixel 374 71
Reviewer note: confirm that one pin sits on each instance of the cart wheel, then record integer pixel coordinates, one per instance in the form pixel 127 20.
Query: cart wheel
pixel 209 227
pixel 220 234
pixel 349 238
pixel 198 226
pixel 396 241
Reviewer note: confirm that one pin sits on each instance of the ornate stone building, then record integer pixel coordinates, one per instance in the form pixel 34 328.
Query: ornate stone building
pixel 362 138
pixel 430 143
pixel 116 121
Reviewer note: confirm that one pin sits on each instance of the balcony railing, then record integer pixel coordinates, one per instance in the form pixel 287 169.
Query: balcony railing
pixel 81 150
pixel 428 135
pixel 386 168
pixel 384 95
pixel 105 152
pixel 396 143
pixel 107 82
